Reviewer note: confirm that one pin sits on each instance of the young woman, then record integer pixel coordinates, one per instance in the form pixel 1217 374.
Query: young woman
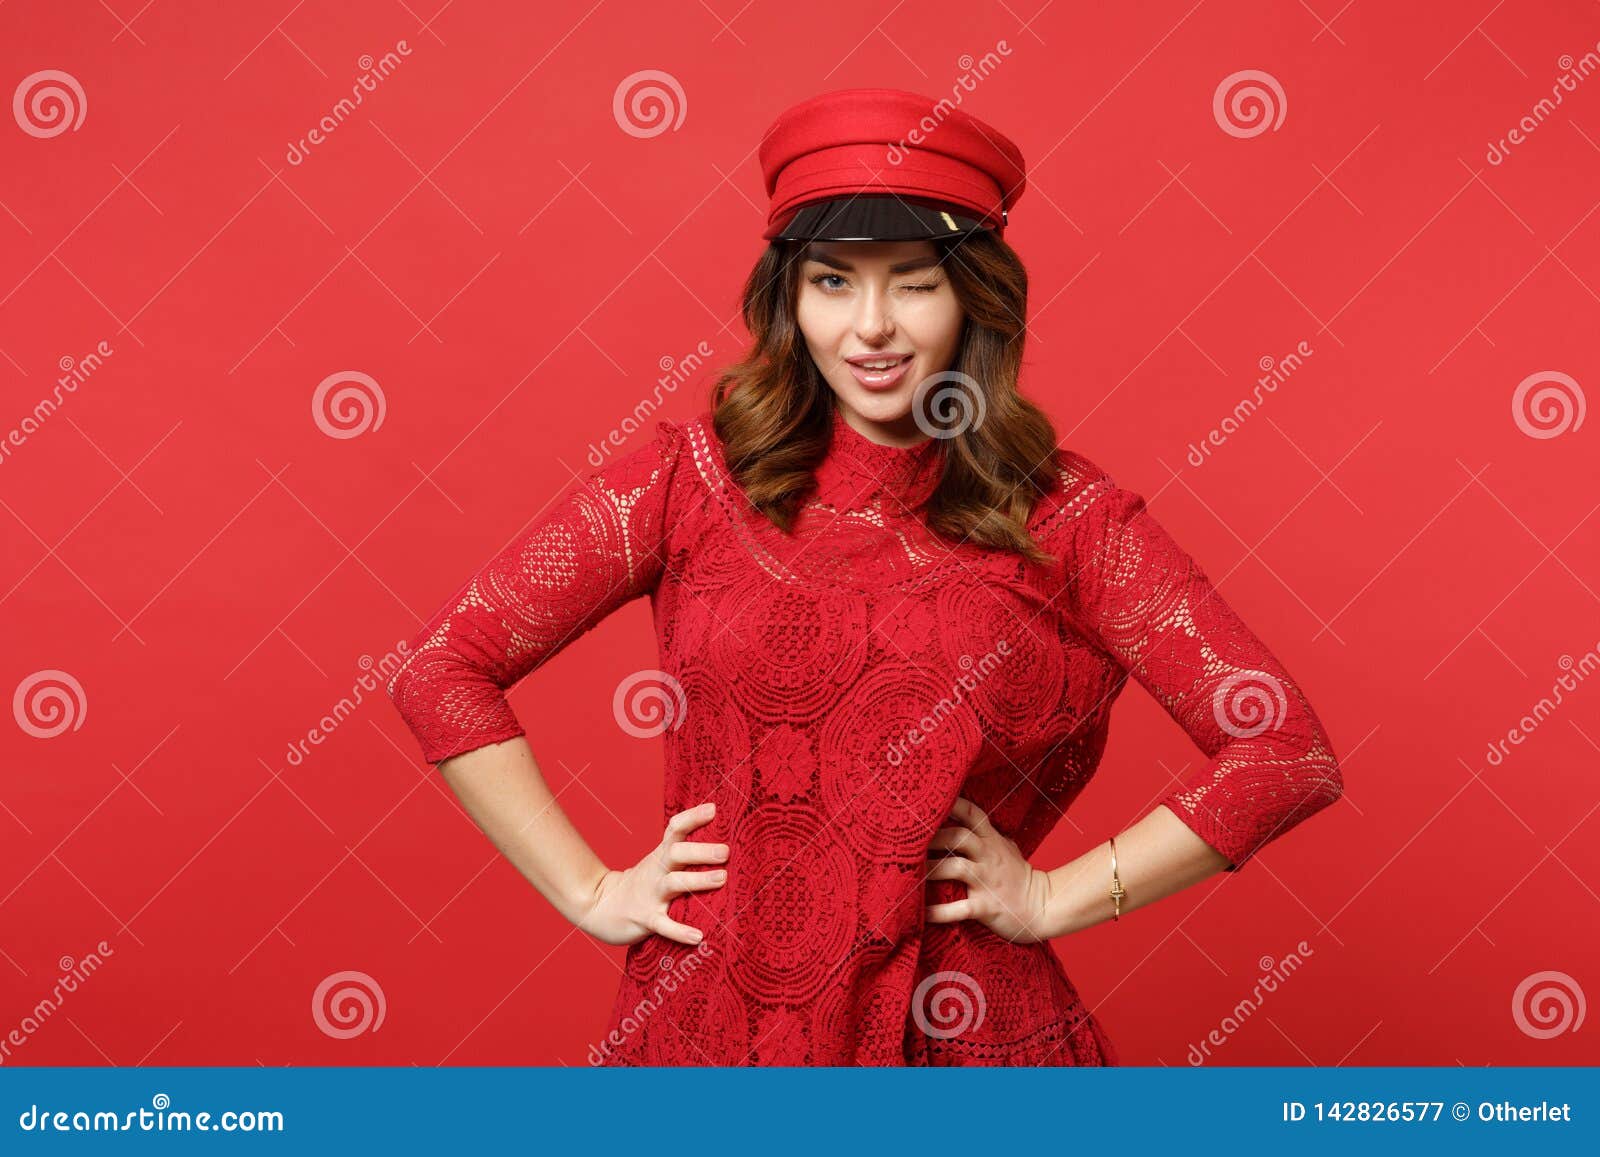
pixel 893 617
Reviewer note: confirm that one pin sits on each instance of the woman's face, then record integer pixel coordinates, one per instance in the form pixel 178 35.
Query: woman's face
pixel 884 301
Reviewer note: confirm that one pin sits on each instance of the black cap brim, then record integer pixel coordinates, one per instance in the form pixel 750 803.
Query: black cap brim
pixel 876 218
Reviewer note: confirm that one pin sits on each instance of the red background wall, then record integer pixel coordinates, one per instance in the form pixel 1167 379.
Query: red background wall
pixel 515 271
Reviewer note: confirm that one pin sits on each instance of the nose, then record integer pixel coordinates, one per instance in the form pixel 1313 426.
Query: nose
pixel 874 318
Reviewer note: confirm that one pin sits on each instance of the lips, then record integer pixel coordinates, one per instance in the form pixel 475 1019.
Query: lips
pixel 876 379
pixel 862 360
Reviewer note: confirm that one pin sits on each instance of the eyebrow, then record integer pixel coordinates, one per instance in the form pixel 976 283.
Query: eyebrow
pixel 901 267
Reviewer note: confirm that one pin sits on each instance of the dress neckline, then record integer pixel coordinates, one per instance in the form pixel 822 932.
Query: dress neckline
pixel 856 469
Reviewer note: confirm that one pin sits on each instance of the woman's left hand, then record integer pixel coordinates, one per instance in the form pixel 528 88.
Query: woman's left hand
pixel 1004 891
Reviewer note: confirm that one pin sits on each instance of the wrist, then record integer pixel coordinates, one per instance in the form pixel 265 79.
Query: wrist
pixel 1054 919
pixel 1078 895
pixel 580 899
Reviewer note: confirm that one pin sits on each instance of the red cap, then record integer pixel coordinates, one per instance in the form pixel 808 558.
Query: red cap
pixel 885 141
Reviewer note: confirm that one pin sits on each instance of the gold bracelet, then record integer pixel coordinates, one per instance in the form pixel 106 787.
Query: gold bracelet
pixel 1116 882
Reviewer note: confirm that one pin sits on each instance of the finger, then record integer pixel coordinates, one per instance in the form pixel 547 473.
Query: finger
pixel 954 868
pixel 664 925
pixel 699 819
pixel 969 814
pixel 949 913
pixel 962 840
pixel 692 852
pixel 686 821
pixel 674 882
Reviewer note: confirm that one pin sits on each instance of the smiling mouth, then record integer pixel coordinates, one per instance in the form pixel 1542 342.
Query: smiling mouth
pixel 880 373
pixel 879 365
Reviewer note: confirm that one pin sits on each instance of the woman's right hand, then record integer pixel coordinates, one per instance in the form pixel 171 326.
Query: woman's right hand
pixel 631 904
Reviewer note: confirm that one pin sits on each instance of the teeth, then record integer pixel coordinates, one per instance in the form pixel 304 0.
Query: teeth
pixel 879 365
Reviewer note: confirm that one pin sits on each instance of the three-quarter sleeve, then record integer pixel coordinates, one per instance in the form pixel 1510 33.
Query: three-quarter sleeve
pixel 602 544
pixel 1269 764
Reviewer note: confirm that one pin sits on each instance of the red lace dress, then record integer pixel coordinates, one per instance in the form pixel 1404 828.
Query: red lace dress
pixel 837 689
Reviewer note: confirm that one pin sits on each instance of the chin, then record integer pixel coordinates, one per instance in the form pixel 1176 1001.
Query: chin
pixel 887 407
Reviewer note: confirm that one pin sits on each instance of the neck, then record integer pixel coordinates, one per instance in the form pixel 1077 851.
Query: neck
pixel 901 434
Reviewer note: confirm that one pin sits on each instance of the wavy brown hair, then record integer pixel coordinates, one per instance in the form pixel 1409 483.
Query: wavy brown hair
pixel 773 411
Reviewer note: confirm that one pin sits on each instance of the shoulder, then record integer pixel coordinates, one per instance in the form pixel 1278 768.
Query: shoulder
pixel 644 444
pixel 1080 486
pixel 678 461
pixel 644 462
pixel 637 453
pixel 703 451
pixel 699 426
